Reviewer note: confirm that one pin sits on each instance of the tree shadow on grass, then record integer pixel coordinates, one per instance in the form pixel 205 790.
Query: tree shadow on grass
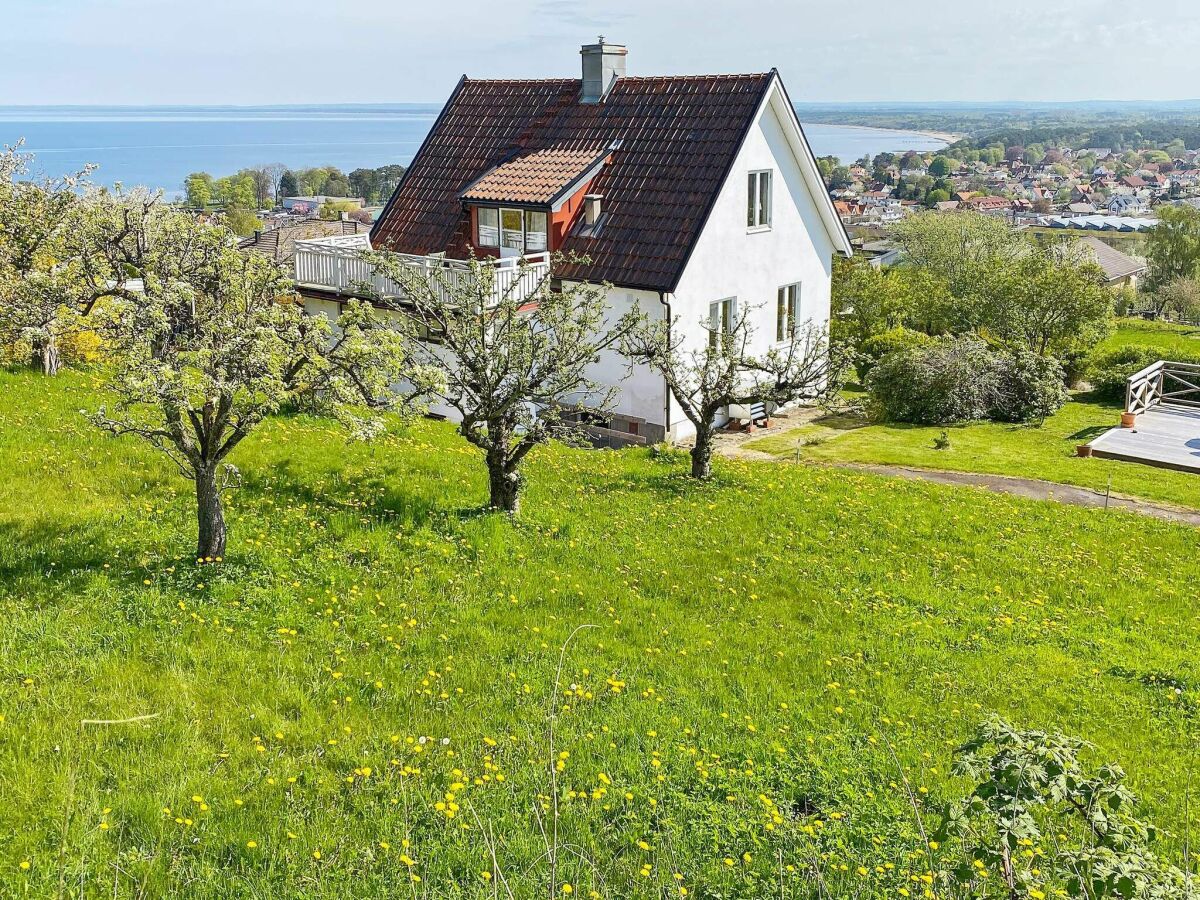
pixel 45 557
pixel 389 501
pixel 1087 434
pixel 842 421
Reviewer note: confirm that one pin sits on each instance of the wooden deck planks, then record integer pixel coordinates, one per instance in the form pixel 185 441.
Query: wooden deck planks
pixel 1165 436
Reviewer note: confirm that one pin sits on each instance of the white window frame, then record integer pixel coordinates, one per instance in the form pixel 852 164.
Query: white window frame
pixel 787 312
pixel 534 238
pixel 493 230
pixel 758 212
pixel 496 235
pixel 722 314
pixel 506 233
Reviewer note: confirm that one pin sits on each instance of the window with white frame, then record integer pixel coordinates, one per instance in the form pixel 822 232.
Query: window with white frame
pixel 535 230
pixel 489 227
pixel 787 312
pixel 720 320
pixel 512 229
pixel 526 230
pixel 758 199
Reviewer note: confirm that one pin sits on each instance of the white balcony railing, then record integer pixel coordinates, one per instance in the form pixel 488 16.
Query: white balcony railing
pixel 336 264
pixel 1163 382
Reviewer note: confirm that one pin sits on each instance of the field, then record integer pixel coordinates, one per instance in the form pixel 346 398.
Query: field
pixel 365 698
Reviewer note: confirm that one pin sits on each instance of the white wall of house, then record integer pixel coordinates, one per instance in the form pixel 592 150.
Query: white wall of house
pixel 732 260
pixel 641 394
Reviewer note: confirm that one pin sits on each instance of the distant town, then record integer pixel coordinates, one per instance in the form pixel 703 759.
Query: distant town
pixel 1094 188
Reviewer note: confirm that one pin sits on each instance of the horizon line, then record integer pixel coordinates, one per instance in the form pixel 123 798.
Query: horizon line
pixel 833 103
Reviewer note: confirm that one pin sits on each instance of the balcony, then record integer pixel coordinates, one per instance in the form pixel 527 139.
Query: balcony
pixel 335 265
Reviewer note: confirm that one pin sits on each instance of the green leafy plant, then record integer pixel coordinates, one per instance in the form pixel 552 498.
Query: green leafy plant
pixel 1043 822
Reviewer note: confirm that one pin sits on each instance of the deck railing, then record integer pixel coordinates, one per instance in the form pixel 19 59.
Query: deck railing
pixel 337 264
pixel 1164 382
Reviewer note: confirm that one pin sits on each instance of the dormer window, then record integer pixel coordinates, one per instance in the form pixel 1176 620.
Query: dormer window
pixel 489 227
pixel 526 204
pixel 523 230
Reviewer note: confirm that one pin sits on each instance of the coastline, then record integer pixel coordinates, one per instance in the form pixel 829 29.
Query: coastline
pixel 949 137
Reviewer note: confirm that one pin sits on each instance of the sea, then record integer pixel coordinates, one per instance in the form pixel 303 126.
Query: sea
pixel 158 146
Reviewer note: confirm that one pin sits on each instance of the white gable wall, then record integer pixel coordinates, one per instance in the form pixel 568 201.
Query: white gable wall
pixel 730 260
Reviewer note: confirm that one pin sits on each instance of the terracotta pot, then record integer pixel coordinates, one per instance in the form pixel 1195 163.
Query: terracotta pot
pixel 1084 451
pixel 1128 419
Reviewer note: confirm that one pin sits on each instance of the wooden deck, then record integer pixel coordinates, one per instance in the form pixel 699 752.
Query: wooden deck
pixel 1165 436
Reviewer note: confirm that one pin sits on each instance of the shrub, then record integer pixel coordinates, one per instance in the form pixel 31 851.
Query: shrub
pixel 960 379
pixel 948 379
pixel 879 345
pixel 1031 387
pixel 75 348
pixel 1108 371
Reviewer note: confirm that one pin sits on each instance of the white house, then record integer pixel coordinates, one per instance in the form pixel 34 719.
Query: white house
pixel 692 196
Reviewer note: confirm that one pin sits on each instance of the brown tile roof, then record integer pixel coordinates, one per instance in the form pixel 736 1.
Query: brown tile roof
pixel 679 138
pixel 537 177
pixel 279 242
pixel 1116 265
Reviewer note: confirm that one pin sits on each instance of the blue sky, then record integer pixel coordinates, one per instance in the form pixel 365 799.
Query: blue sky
pixel 327 51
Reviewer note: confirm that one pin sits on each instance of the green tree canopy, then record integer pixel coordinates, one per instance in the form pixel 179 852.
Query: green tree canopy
pixel 200 190
pixel 1173 246
pixel 941 166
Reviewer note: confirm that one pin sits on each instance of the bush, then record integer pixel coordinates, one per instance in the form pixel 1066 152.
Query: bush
pixel 1031 387
pixel 879 345
pixel 948 379
pixel 75 348
pixel 960 379
pixel 1108 371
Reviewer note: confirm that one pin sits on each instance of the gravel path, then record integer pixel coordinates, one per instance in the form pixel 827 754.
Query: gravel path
pixel 730 446
pixel 1032 489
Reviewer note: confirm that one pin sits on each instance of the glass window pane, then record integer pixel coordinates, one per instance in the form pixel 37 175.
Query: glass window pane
pixel 751 195
pixel 781 315
pixel 764 198
pixel 512 230
pixel 535 231
pixel 489 234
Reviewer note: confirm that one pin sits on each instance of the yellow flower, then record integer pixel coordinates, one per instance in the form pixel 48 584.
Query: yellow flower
pixel 251 844
pixel 25 864
pixel 567 889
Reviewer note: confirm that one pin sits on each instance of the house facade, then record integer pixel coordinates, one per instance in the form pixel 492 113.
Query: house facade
pixel 693 198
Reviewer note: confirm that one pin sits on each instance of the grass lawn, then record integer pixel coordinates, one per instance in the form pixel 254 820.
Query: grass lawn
pixel 1170 338
pixel 357 701
pixel 1046 452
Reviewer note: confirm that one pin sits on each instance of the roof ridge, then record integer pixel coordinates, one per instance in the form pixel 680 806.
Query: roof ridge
pixel 567 80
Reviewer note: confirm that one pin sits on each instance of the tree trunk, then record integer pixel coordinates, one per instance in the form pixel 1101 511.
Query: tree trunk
pixel 702 453
pixel 209 516
pixel 503 484
pixel 45 355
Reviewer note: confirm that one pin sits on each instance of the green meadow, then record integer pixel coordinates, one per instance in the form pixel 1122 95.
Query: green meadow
pixel 641 687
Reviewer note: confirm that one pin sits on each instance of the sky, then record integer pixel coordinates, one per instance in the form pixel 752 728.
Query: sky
pixel 370 51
